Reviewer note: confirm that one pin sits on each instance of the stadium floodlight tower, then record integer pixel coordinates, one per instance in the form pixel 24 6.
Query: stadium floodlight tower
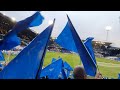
pixel 108 28
pixel 13 19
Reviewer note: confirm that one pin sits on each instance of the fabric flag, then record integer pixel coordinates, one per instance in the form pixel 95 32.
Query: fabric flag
pixel 88 44
pixel 118 75
pixel 66 67
pixel 11 40
pixel 53 70
pixel 1 57
pixel 34 20
pixel 29 61
pixel 65 39
pixel 70 40
pixel 68 73
pixel 1 66
pixel 64 75
pixel 53 60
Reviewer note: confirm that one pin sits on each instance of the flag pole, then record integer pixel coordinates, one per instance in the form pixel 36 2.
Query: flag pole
pixel 98 69
pixel 41 63
pixel 86 49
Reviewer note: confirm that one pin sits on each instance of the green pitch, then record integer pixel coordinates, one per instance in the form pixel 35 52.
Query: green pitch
pixel 108 68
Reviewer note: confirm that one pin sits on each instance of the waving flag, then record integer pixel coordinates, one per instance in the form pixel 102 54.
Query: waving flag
pixel 64 75
pixel 66 69
pixel 11 40
pixel 29 61
pixel 67 66
pixel 34 20
pixel 88 44
pixel 1 57
pixel 53 70
pixel 70 40
pixel 53 60
pixel 65 39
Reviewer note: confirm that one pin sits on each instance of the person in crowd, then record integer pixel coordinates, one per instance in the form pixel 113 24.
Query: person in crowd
pixel 79 73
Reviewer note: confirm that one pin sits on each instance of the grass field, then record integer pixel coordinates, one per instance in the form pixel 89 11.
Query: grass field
pixel 108 68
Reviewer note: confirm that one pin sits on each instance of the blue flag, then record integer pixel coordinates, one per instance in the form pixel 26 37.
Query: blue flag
pixel 64 74
pixel 29 61
pixel 34 20
pixel 66 69
pixel 70 40
pixel 67 66
pixel 118 75
pixel 64 39
pixel 88 44
pixel 1 57
pixel 11 40
pixel 53 60
pixel 53 70
pixel 1 66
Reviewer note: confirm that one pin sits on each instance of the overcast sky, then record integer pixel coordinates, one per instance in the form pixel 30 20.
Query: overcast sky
pixel 86 23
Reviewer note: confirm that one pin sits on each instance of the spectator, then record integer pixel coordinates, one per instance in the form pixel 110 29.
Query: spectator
pixel 79 73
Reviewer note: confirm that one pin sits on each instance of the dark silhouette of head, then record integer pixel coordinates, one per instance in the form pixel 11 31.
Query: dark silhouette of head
pixel 79 73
